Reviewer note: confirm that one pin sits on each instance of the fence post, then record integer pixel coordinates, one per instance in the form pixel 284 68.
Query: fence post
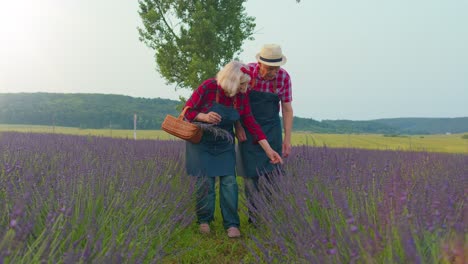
pixel 134 125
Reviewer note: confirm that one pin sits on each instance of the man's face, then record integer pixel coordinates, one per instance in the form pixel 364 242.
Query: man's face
pixel 268 72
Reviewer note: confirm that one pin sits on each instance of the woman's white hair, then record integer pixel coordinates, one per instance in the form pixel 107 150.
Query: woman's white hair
pixel 231 76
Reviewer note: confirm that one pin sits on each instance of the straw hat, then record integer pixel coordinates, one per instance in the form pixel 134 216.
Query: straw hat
pixel 271 55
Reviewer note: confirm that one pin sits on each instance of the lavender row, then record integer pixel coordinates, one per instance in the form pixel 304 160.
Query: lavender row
pixel 89 199
pixel 363 206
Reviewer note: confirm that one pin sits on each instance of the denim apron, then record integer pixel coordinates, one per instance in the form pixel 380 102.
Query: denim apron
pixel 214 156
pixel 265 109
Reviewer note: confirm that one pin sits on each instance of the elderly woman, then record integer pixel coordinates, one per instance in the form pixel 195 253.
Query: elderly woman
pixel 216 105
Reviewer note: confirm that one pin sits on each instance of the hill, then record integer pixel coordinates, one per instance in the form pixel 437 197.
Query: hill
pixel 84 110
pixel 427 125
pixel 116 111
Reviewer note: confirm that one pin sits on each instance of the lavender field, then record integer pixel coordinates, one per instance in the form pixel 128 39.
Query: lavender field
pixel 71 199
pixel 85 199
pixel 365 206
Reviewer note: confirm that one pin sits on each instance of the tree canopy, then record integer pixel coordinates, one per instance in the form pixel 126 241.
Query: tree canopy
pixel 193 39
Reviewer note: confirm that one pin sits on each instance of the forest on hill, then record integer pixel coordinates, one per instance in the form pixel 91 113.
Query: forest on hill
pixel 117 111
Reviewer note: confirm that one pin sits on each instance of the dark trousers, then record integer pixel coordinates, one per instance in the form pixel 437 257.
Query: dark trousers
pixel 228 199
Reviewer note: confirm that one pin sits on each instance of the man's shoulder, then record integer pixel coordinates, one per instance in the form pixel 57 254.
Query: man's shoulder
pixel 283 75
pixel 283 71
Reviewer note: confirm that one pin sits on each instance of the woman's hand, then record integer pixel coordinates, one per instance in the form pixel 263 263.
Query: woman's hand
pixel 211 117
pixel 274 157
pixel 240 132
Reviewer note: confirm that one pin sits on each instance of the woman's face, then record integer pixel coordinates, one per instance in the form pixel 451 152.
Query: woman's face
pixel 243 87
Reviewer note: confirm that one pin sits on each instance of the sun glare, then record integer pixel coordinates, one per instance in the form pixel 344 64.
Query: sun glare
pixel 24 30
pixel 18 23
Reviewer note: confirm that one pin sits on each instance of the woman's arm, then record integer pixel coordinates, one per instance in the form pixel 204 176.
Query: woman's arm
pixel 240 131
pixel 211 117
pixel 274 157
pixel 248 119
pixel 198 98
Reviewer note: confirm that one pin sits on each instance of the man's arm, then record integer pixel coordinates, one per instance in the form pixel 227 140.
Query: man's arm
pixel 287 126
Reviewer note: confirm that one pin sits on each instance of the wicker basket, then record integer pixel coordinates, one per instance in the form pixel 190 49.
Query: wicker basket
pixel 182 129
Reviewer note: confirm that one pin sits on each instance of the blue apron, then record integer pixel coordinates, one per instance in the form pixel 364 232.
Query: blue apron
pixel 214 156
pixel 265 109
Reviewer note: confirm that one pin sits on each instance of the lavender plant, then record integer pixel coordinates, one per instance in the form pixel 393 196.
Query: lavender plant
pixel 75 199
pixel 71 199
pixel 363 206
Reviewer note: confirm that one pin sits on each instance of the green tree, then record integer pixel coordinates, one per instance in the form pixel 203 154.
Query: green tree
pixel 193 38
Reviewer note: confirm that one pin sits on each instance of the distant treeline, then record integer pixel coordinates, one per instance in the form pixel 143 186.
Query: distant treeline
pixel 84 110
pixel 116 111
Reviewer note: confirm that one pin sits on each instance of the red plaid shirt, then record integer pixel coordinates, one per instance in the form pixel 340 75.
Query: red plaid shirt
pixel 205 95
pixel 283 83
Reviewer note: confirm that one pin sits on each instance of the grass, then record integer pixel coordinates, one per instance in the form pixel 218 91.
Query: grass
pixel 453 143
pixel 115 133
pixel 190 246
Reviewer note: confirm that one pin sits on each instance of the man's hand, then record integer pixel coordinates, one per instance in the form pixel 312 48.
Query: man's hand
pixel 286 149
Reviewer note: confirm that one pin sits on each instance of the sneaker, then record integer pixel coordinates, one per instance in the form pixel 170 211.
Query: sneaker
pixel 233 232
pixel 205 228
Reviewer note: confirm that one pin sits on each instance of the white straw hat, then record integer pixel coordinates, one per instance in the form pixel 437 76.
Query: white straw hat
pixel 271 55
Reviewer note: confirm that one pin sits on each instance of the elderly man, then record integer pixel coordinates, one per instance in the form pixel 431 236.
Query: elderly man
pixel 270 88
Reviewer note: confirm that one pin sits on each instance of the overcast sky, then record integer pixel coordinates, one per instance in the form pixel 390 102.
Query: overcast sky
pixel 356 59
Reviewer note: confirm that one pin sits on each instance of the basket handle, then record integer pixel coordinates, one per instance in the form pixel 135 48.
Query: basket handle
pixel 182 114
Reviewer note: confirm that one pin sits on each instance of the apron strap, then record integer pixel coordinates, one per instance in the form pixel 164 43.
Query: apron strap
pixel 253 82
pixel 275 86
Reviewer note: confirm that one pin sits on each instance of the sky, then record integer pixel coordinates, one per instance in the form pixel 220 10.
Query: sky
pixel 355 60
